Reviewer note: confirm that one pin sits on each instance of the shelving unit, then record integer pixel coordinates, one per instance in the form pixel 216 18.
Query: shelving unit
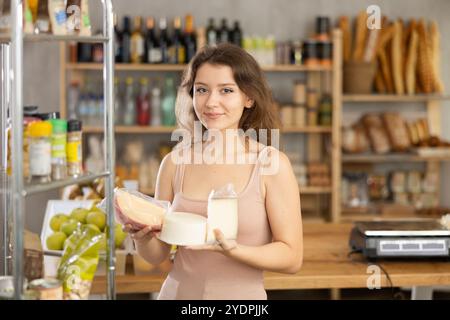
pixel 12 85
pixel 432 104
pixel 333 131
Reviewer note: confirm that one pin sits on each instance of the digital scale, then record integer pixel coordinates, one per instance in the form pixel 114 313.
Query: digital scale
pixel 401 239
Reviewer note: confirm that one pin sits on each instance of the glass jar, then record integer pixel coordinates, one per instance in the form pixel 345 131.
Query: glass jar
pixel 40 152
pixel 74 148
pixel 58 141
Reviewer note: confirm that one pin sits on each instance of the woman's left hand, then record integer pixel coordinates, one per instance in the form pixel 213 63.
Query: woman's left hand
pixel 222 245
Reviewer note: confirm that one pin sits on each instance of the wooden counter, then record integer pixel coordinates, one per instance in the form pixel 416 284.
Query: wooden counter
pixel 325 265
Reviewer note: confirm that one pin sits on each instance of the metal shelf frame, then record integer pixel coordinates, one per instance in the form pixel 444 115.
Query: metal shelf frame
pixel 12 100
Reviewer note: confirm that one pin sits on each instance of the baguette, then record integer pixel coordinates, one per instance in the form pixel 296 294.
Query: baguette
pixel 436 57
pixel 385 69
pixel 396 59
pixel 424 65
pixel 344 25
pixel 411 61
pixel 379 82
pixel 371 45
pixel 360 37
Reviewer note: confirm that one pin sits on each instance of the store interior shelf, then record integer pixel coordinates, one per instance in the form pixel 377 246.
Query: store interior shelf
pixel 162 129
pixel 181 67
pixel 43 187
pixel 132 129
pixel 392 98
pixel 369 158
pixel 311 129
pixel 5 38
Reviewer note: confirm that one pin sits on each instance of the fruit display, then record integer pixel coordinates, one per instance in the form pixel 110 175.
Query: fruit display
pixel 64 224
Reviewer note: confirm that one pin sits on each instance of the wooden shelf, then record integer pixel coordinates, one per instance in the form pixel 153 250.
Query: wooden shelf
pixel 181 67
pixel 315 190
pixel 392 98
pixel 132 129
pixel 368 158
pixel 162 129
pixel 316 129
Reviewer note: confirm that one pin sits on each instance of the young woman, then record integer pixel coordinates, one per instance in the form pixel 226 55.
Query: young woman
pixel 224 89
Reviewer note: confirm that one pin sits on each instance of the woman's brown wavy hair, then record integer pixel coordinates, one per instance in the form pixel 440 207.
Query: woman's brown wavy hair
pixel 248 76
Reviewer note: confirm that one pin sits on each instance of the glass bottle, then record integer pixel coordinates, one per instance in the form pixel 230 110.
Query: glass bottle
pixel 168 103
pixel 211 33
pixel 164 40
pixel 143 104
pixel 74 148
pixel 156 106
pixel 137 42
pixel 223 33
pixel 236 35
pixel 177 51
pixel 40 152
pixel 126 41
pixel 58 142
pixel 129 116
pixel 190 38
pixel 152 47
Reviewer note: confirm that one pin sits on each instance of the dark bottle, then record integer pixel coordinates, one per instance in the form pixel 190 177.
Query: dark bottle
pixel 164 40
pixel 126 40
pixel 236 35
pixel 190 41
pixel 117 40
pixel 177 51
pixel 223 32
pixel 152 48
pixel 84 52
pixel 211 33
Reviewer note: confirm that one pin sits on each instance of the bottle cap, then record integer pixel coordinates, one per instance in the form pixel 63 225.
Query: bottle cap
pixel 40 129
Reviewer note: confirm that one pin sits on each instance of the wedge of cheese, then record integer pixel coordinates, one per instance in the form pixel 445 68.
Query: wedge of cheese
pixel 222 215
pixel 183 229
pixel 137 211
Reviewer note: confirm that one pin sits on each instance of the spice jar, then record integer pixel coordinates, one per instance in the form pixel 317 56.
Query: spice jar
pixel 58 141
pixel 40 152
pixel 74 148
pixel 323 28
pixel 299 96
pixel 325 111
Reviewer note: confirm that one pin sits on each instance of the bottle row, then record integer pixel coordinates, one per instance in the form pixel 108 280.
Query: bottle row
pixel 144 44
pixel 52 147
pixel 137 102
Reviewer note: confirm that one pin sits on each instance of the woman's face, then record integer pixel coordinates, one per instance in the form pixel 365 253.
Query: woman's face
pixel 218 101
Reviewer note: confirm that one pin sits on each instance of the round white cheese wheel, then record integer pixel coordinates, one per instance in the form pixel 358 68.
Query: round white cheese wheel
pixel 183 229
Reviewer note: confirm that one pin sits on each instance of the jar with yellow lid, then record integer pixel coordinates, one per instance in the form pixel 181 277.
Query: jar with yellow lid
pixel 40 152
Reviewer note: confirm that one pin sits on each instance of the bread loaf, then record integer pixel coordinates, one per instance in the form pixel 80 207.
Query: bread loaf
pixel 397 131
pixel 360 37
pixel 435 49
pixel 424 65
pixel 376 132
pixel 344 25
pixel 411 61
pixel 397 59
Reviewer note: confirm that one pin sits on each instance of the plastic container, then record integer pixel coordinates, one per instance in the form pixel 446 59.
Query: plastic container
pixel 40 152
pixel 74 148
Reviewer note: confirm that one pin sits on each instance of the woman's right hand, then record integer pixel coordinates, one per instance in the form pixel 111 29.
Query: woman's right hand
pixel 142 235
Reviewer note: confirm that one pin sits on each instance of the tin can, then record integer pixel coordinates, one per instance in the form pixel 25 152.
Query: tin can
pixel 46 289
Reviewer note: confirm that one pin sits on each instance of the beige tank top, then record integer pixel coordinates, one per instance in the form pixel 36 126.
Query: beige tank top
pixel 198 275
